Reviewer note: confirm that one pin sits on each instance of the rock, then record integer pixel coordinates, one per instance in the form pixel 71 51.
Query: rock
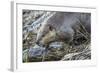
pixel 32 53
pixel 36 51
pixel 56 45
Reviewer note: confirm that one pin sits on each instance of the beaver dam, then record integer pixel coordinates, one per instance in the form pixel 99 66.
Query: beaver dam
pixel 79 48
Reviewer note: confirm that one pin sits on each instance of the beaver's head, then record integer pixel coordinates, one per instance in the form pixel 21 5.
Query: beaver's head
pixel 46 35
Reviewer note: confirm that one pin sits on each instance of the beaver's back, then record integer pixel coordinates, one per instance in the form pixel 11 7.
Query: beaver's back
pixel 67 20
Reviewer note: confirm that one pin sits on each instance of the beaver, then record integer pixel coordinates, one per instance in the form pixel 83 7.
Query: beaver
pixel 62 26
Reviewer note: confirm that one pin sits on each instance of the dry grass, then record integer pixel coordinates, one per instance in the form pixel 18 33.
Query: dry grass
pixel 76 50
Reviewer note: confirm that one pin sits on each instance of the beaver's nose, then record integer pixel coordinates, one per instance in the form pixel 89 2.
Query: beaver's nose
pixel 40 44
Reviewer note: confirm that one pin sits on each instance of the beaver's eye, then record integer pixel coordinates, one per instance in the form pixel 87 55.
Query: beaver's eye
pixel 43 35
pixel 50 28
